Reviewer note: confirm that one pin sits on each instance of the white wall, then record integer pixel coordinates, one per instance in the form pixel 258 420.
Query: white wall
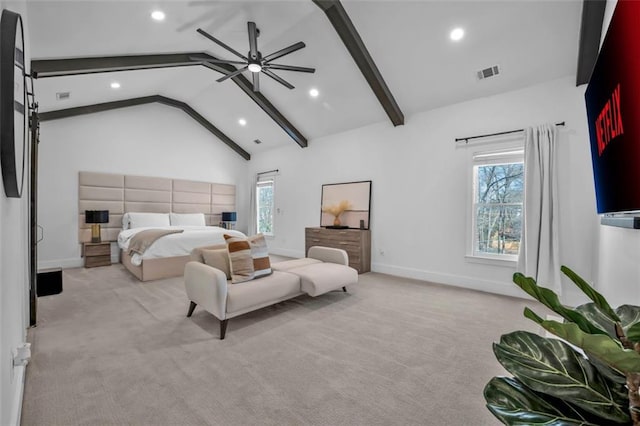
pixel 421 182
pixel 14 280
pixel 150 140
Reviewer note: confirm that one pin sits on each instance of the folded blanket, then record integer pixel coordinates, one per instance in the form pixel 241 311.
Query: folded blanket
pixel 143 239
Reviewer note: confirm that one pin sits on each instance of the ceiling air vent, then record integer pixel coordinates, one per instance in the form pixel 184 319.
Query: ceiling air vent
pixel 61 96
pixel 257 141
pixel 488 72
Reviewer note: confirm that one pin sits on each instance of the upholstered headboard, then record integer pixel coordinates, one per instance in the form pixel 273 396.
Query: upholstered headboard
pixel 124 193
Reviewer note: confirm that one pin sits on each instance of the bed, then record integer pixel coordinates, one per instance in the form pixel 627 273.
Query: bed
pixel 165 256
pixel 120 194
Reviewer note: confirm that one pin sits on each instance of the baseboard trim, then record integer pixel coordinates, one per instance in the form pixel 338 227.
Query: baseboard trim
pixel 61 263
pixel 70 263
pixel 487 286
pixel 16 407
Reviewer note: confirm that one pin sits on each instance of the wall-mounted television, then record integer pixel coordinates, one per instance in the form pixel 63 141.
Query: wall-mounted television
pixel 613 110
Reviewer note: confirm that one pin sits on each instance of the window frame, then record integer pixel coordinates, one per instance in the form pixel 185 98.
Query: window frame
pixel 507 155
pixel 261 183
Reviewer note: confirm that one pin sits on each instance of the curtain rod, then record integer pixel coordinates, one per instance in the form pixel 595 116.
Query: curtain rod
pixel 270 171
pixel 496 134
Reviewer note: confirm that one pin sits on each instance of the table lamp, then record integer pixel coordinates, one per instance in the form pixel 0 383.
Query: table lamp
pixel 229 220
pixel 229 216
pixel 95 218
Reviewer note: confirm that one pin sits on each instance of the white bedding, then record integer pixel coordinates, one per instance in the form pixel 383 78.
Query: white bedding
pixel 179 244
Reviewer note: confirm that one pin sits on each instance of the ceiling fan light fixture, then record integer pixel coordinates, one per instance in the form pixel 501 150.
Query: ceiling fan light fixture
pixel 253 67
pixel 314 93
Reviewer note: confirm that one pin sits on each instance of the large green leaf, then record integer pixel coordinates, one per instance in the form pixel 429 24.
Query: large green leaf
pixel 633 332
pixel 598 346
pixel 598 318
pixel 629 315
pixel 550 299
pixel 591 293
pixel 552 367
pixel 515 404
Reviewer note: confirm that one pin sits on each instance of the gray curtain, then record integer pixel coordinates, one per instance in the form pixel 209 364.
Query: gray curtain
pixel 539 255
pixel 252 207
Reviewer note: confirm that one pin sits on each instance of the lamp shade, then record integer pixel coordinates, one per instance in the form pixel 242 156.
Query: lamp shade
pixel 228 216
pixel 96 216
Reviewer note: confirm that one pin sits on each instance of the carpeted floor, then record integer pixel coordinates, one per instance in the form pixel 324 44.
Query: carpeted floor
pixel 393 351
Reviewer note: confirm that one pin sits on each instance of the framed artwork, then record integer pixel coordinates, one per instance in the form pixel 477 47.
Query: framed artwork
pixel 13 104
pixel 346 205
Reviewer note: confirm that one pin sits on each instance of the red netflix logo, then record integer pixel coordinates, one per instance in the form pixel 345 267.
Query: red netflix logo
pixel 609 121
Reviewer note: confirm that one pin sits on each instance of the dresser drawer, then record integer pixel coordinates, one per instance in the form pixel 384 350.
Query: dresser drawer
pixel 333 235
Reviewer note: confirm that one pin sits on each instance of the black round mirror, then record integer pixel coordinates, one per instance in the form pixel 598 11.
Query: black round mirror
pixel 13 103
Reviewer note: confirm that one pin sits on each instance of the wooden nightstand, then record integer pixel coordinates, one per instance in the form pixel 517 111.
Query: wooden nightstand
pixel 97 254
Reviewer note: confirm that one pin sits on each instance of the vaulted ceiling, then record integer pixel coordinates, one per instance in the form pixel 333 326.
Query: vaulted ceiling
pixel 531 41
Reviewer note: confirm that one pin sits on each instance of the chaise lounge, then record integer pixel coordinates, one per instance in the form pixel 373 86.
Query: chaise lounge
pixel 207 281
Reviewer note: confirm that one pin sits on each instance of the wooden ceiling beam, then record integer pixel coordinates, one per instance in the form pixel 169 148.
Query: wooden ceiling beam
pixel 590 34
pixel 353 42
pixel 45 68
pixel 106 106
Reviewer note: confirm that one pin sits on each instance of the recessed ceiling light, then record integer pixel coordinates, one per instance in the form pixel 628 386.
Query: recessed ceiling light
pixel 457 34
pixel 314 93
pixel 115 85
pixel 158 15
pixel 242 122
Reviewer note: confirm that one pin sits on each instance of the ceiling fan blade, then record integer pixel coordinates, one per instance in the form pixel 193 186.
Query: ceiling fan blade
pixel 289 68
pixel 278 79
pixel 214 61
pixel 218 42
pixel 253 40
pixel 256 81
pixel 280 53
pixel 233 74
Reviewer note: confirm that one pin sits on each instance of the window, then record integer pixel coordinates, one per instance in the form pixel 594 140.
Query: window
pixel 265 206
pixel 498 194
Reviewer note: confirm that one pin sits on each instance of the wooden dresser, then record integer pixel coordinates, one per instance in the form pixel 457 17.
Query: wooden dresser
pixel 356 242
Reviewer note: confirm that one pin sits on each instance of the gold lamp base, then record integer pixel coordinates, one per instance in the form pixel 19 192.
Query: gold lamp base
pixel 95 233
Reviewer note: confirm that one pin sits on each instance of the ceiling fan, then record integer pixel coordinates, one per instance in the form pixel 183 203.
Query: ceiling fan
pixel 254 61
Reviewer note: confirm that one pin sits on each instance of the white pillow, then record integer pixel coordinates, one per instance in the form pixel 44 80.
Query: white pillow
pixel 143 220
pixel 187 219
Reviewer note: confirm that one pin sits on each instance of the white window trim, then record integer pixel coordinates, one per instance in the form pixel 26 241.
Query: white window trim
pixel 511 153
pixel 272 179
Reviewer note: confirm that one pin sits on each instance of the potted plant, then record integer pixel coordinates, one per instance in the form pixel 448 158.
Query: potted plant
pixel 591 380
pixel 336 210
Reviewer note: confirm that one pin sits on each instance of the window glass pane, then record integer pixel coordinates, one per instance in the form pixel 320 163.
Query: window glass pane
pixel 264 197
pixel 498 199
pixel 498 229
pixel 500 183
